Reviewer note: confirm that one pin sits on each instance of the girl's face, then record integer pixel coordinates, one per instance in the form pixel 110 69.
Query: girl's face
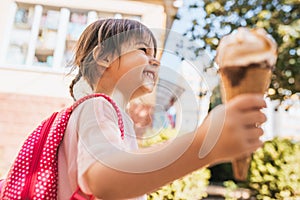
pixel 135 72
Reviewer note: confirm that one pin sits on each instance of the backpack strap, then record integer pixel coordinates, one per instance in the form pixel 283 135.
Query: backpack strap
pixel 2 181
pixel 109 99
pixel 78 194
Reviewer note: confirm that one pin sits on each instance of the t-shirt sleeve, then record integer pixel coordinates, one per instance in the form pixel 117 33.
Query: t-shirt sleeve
pixel 98 135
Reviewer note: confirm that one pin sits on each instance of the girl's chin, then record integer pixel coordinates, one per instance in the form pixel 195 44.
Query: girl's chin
pixel 148 87
pixel 142 91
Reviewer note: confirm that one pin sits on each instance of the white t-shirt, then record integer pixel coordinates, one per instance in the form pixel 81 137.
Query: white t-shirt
pixel 91 125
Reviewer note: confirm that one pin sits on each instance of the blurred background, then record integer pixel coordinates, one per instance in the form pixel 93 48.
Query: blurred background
pixel 36 45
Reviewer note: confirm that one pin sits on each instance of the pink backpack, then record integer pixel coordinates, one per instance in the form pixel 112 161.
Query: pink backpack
pixel 35 170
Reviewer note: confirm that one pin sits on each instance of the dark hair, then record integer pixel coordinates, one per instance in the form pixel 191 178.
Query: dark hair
pixel 100 41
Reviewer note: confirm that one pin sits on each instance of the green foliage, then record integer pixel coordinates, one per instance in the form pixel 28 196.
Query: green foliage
pixel 275 170
pixel 153 136
pixel 280 18
pixel 231 186
pixel 191 186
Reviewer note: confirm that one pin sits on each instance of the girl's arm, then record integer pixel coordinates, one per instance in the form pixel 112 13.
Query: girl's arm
pixel 227 132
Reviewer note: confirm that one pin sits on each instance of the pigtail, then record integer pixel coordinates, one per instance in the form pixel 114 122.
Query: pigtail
pixel 86 43
pixel 74 81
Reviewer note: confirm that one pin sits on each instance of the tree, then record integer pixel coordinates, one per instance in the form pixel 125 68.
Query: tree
pixel 280 18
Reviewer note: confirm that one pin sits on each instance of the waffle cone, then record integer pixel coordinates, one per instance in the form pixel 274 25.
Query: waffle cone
pixel 239 80
pixel 255 80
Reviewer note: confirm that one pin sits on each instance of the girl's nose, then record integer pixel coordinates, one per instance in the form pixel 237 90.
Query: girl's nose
pixel 154 62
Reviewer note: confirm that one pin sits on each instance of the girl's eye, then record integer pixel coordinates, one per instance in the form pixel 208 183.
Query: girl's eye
pixel 143 49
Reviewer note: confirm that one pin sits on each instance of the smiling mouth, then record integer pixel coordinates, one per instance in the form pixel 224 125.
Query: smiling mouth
pixel 150 75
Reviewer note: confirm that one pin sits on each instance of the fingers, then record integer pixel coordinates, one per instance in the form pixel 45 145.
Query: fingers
pixel 248 101
pixel 254 134
pixel 252 141
pixel 253 118
pixel 241 123
pixel 250 133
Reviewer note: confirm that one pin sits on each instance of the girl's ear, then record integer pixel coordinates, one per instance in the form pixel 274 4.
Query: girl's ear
pixel 100 60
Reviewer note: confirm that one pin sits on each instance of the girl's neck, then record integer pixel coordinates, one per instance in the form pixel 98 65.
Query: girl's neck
pixel 116 95
pixel 120 99
pixel 108 86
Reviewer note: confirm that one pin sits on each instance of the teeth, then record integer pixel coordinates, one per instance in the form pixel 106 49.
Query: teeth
pixel 150 75
pixel 149 81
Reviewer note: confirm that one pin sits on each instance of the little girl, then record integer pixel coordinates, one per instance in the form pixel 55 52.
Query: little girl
pixel 117 57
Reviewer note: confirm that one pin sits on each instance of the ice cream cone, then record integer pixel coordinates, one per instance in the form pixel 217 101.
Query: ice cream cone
pixel 245 58
pixel 239 80
pixel 255 80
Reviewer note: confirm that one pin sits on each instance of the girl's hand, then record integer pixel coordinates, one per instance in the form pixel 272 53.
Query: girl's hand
pixel 234 128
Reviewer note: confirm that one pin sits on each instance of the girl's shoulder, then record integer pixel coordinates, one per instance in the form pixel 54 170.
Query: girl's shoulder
pixel 96 107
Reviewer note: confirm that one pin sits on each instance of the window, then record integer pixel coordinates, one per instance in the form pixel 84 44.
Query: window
pixel 20 35
pixel 77 22
pixel 47 37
